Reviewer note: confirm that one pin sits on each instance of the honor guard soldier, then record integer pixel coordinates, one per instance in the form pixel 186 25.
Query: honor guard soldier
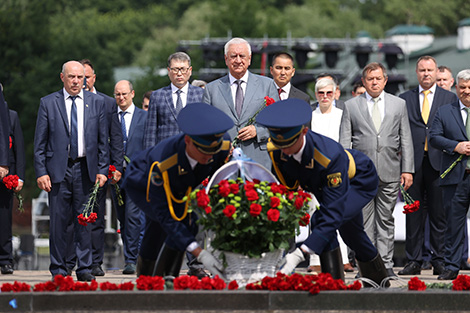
pixel 343 181
pixel 159 179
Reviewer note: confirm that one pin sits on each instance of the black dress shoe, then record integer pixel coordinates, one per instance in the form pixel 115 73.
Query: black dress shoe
pixel 426 265
pixel 438 269
pixel 411 268
pixel 464 265
pixel 85 277
pixel 448 275
pixel 97 271
pixel 390 272
pixel 198 272
pixel 129 269
pixel 7 269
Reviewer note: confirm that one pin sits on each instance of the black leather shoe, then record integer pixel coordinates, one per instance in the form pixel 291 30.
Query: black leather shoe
pixel 97 271
pixel 464 266
pixel 426 265
pixel 448 275
pixel 129 269
pixel 85 277
pixel 438 269
pixel 198 272
pixel 411 268
pixel 390 272
pixel 7 269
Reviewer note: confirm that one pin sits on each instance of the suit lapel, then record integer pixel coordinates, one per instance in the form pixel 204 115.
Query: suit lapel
pixel 364 109
pixel 169 101
pixel 62 110
pixel 251 88
pixel 417 107
pixel 226 91
pixel 87 102
pixel 455 111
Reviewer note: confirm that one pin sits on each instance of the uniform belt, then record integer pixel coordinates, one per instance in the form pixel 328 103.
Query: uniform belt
pixel 71 161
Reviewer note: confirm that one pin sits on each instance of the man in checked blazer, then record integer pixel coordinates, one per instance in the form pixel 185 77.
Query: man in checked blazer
pixel 163 105
pixel 376 123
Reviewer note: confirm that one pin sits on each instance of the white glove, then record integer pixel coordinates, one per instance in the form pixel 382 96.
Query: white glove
pixel 211 263
pixel 292 260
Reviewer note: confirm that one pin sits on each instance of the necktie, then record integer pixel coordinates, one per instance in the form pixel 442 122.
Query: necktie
pixel 425 114
pixel 73 130
pixel 239 97
pixel 179 103
pixel 467 128
pixel 376 118
pixel 123 129
pixel 280 91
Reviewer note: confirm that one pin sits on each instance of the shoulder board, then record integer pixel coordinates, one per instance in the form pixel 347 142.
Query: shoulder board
pixel 321 158
pixel 225 145
pixel 271 146
pixel 168 163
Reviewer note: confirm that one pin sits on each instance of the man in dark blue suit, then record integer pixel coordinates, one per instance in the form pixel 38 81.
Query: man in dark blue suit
pixel 159 178
pixel 422 104
pixel 132 219
pixel 4 137
pixel 116 159
pixel 16 167
pixel 70 156
pixel 450 133
pixel 343 181
pixel 165 103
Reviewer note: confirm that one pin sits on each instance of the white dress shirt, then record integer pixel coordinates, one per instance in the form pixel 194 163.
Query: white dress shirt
pixel 184 94
pixel 234 86
pixel 80 119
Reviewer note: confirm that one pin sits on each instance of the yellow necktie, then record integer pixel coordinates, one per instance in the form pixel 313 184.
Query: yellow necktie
pixel 425 114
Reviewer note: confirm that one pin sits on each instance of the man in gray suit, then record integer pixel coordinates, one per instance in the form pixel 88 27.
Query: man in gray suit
pixel 240 95
pixel 282 70
pixel 376 123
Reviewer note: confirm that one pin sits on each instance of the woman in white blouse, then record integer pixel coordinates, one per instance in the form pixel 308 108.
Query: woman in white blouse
pixel 326 120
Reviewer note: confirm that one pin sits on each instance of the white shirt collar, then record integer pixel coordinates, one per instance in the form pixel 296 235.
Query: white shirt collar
pixel 130 110
pixel 184 89
pixel 192 162
pixel 67 95
pixel 233 79
pixel 298 156
pixel 432 89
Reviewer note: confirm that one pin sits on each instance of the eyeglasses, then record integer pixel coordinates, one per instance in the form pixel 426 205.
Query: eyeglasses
pixel 325 93
pixel 175 70
pixel 124 94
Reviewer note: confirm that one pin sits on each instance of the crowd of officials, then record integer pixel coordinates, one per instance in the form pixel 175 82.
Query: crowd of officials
pixel 359 152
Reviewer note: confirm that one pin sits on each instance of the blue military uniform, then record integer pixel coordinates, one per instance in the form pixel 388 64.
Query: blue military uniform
pixel 159 178
pixel 343 181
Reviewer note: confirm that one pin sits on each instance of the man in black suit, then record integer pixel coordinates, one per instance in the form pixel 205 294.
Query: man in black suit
pixel 4 137
pixel 336 102
pixel 70 156
pixel 282 70
pixel 450 133
pixel 116 158
pixel 422 104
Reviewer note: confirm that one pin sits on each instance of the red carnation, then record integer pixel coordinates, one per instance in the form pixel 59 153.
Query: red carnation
pixel 416 284
pixel 205 182
pixel 202 198
pixel 111 171
pixel 82 220
pixel 92 218
pixel 229 210
pixel 299 202
pixel 269 100
pixel 224 188
pixel 233 285
pixel 273 215
pixel 234 188
pixel 10 142
pixel 208 210
pixel 255 209
pixel 11 181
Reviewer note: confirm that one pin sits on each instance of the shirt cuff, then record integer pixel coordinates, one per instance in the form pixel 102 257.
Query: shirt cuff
pixel 305 248
pixel 192 246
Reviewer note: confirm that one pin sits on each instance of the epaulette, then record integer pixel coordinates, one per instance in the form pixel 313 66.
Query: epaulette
pixel 352 165
pixel 270 146
pixel 321 158
pixel 225 145
pixel 168 163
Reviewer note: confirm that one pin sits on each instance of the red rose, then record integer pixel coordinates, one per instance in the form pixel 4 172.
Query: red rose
pixel 273 215
pixel 251 195
pixel 229 210
pixel 299 202
pixel 202 198
pixel 255 209
pixel 249 185
pixel 275 201
pixel 305 220
pixel 234 188
pixel 269 100
pixel 208 210
pixel 111 170
pixel 277 188
pixel 224 188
